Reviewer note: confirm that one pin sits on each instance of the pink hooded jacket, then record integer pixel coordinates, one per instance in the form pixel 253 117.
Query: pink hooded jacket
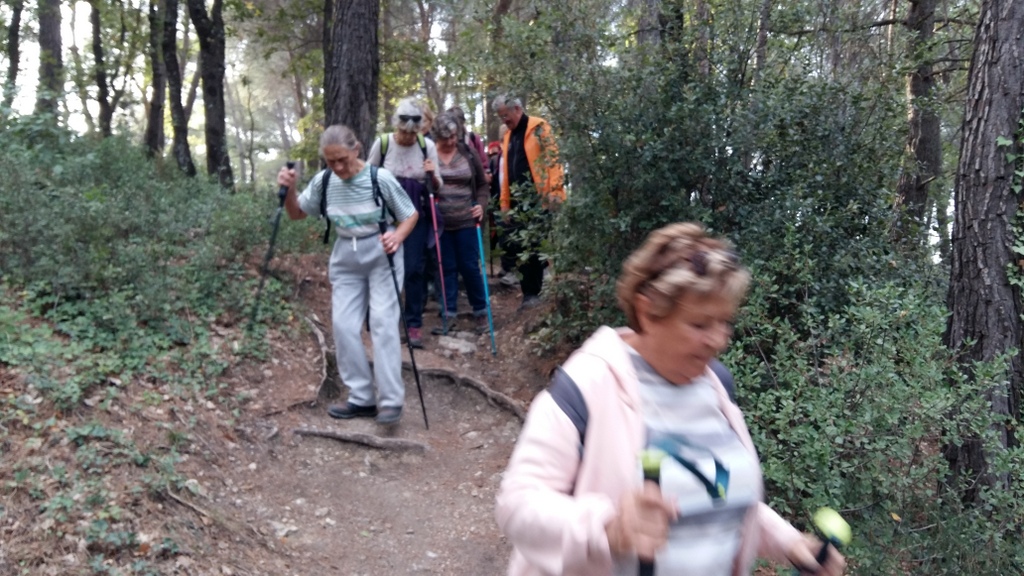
pixel 553 505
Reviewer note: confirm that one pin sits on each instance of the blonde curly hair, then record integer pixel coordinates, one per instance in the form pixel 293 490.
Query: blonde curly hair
pixel 677 259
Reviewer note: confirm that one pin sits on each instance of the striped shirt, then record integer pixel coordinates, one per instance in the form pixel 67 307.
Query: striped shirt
pixel 351 206
pixel 706 538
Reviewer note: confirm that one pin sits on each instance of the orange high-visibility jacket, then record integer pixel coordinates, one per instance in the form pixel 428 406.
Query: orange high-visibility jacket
pixel 542 155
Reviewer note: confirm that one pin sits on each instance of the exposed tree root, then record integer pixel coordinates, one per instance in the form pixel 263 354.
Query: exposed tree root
pixel 493 396
pixel 397 444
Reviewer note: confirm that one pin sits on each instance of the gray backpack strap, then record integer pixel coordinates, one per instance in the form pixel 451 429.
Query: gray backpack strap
pixel 725 377
pixel 323 203
pixel 567 395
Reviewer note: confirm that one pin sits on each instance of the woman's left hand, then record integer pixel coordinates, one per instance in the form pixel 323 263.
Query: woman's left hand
pixel 478 212
pixel 803 557
pixel 390 241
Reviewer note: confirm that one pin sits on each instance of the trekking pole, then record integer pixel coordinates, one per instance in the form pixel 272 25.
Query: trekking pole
pixel 282 192
pixel 437 244
pixel 833 529
pixel 383 225
pixel 487 292
pixel 650 462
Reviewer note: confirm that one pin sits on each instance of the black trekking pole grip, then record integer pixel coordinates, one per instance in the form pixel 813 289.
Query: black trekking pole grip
pixel 282 192
pixel 383 227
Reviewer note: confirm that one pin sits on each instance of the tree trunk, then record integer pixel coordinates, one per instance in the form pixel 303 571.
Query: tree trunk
pixel 501 8
pixel 81 80
pixel 154 137
pixel 924 142
pixel 51 63
pixel 353 72
pixel 100 71
pixel 237 122
pixel 179 121
pixel 985 307
pixel 13 53
pixel 425 11
pixel 649 25
pixel 210 30
pixel 761 48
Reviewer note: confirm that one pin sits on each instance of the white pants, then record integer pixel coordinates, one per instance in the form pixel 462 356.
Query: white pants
pixel 360 277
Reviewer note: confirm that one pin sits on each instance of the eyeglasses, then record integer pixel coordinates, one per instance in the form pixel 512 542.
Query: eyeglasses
pixel 407 118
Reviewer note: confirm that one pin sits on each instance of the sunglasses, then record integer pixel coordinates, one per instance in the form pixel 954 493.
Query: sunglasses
pixel 407 118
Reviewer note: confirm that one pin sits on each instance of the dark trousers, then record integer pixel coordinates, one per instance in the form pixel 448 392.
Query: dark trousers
pixel 532 269
pixel 460 256
pixel 508 250
pixel 415 284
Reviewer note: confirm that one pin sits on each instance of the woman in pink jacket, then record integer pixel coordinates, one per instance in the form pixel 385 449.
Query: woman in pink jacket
pixel 574 499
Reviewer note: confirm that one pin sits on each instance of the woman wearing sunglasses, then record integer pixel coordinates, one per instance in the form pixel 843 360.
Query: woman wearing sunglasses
pixel 411 158
pixel 635 461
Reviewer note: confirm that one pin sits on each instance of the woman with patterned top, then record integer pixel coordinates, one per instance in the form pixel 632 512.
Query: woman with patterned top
pixel 635 460
pixel 461 201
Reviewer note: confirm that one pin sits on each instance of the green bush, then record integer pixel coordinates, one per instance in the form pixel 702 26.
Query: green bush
pixel 842 374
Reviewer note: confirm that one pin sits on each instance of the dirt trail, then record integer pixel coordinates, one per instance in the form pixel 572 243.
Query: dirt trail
pixel 302 505
pixel 150 477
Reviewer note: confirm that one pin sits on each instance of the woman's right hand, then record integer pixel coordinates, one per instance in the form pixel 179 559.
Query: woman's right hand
pixel 286 177
pixel 641 525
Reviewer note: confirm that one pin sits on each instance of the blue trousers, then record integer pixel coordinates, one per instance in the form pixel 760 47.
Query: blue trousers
pixel 415 282
pixel 460 256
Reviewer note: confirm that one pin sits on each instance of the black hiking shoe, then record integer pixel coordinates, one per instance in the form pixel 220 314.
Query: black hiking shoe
pixel 349 410
pixel 389 415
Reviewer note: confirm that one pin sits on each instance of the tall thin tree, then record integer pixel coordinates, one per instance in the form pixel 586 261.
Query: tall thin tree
pixel 179 120
pixel 210 29
pixel 13 52
pixel 984 304
pixel 924 141
pixel 154 137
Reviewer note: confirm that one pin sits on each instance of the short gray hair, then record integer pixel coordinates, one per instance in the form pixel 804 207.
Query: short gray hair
pixel 445 125
pixel 407 107
pixel 506 101
pixel 339 135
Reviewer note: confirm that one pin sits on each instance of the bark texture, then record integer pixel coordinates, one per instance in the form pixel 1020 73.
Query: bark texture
pixel 51 63
pixel 985 308
pixel 352 73
pixel 154 138
pixel 210 30
pixel 179 120
pixel 924 141
pixel 13 52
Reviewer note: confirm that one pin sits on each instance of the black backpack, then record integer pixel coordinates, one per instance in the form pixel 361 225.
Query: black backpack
pixel 378 198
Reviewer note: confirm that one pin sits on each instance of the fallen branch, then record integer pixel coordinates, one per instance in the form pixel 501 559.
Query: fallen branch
pixel 203 514
pixel 365 439
pixel 308 403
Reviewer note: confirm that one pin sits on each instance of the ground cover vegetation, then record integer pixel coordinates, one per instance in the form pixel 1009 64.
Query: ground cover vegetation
pixel 784 128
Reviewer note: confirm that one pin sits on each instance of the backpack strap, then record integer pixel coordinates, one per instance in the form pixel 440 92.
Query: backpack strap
pixel 323 203
pixel 378 196
pixel 567 396
pixel 422 141
pixel 725 377
pixel 384 139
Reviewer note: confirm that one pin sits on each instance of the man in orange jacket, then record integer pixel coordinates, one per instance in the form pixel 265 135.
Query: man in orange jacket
pixel 530 161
